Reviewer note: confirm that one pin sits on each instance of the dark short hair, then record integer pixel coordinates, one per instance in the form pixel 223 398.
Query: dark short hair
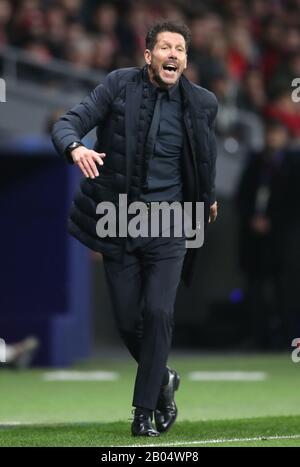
pixel 167 26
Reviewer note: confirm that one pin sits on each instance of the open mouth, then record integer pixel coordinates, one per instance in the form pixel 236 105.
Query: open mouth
pixel 170 68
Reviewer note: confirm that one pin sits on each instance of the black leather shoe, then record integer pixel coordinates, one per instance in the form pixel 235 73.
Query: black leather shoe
pixel 166 411
pixel 142 426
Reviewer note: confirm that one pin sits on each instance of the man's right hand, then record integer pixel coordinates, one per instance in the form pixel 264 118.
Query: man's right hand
pixel 85 158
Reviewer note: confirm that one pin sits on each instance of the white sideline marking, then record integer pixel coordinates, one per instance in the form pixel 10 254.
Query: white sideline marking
pixel 64 375
pixel 213 441
pixel 227 375
pixel 14 423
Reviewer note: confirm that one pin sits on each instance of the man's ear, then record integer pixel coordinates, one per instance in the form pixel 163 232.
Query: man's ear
pixel 147 56
pixel 185 65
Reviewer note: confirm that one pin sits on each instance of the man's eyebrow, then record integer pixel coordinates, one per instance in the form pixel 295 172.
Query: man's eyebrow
pixel 164 42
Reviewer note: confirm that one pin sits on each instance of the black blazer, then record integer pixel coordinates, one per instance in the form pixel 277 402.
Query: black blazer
pixel 115 108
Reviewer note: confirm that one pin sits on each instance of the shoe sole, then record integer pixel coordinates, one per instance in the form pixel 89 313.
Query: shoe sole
pixel 154 435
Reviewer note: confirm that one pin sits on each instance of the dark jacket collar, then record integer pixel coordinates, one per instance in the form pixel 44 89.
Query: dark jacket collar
pixel 171 92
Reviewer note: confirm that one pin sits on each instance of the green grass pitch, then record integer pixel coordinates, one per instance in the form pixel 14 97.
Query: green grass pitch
pixel 34 412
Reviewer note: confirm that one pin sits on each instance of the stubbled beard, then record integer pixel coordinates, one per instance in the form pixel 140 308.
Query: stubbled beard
pixel 156 77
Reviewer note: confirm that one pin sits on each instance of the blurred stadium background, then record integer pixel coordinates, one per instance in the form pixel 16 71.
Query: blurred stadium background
pixel 245 294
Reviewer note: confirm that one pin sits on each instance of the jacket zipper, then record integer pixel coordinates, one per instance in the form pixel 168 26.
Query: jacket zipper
pixel 193 157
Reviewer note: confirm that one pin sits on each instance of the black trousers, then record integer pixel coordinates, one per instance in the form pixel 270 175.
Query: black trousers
pixel 143 291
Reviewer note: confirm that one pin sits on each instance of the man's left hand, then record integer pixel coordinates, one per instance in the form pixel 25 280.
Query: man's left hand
pixel 213 212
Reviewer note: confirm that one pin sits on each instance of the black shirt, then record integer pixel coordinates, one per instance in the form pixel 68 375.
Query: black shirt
pixel 164 179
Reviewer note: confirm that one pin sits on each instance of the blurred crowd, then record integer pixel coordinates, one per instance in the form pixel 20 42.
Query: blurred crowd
pixel 247 52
